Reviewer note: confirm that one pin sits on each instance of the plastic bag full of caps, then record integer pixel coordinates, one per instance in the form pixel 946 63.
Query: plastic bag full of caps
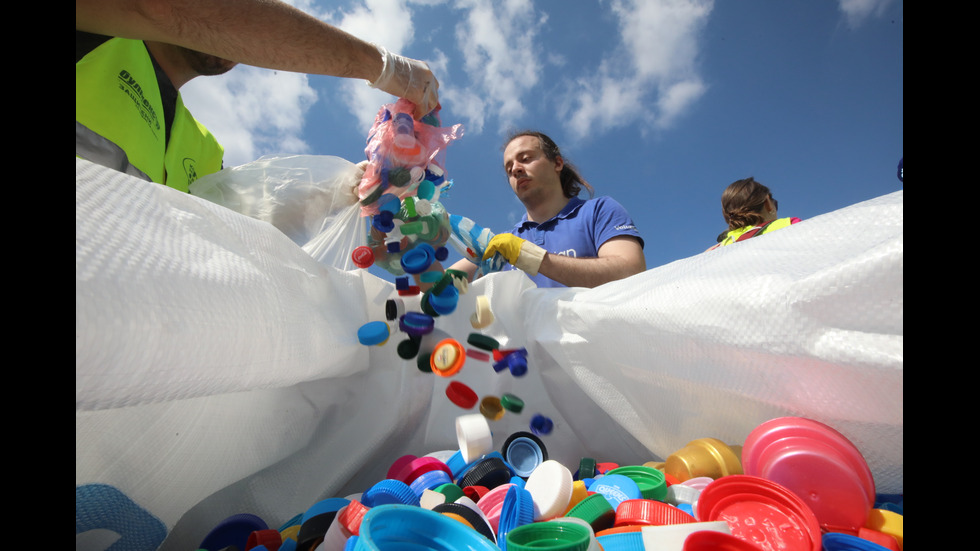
pixel 399 192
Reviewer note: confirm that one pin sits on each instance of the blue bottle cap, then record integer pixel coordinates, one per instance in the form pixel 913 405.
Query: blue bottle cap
pixel 616 488
pixel 389 491
pixel 234 530
pixel 541 425
pixel 418 259
pixel 409 527
pixel 372 333
pixel 445 302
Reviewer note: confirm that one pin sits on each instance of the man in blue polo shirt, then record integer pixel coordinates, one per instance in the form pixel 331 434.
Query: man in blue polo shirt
pixel 563 240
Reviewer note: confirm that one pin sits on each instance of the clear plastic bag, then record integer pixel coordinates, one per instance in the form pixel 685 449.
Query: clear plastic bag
pixel 312 199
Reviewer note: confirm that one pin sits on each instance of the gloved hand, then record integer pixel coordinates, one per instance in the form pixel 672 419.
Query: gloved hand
pixel 521 253
pixel 410 79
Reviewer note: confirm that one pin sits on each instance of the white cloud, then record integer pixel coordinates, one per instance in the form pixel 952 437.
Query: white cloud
pixel 857 11
pixel 252 112
pixel 652 74
pixel 497 41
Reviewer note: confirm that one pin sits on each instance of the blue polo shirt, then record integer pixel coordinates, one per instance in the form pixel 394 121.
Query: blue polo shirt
pixel 578 230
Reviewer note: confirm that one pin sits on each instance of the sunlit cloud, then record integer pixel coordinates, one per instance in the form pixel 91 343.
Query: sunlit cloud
pixel 497 42
pixel 652 74
pixel 253 112
pixel 857 12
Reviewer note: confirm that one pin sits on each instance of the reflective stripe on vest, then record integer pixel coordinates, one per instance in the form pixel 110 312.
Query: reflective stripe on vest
pixel 117 99
pixel 740 233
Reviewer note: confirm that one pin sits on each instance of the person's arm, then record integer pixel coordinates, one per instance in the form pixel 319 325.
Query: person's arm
pixel 262 33
pixel 618 258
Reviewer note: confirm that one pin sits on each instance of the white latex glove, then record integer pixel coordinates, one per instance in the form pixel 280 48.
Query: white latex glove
pixel 410 79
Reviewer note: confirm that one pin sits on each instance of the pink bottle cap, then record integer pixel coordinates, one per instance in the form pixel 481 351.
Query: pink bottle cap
pixel 818 464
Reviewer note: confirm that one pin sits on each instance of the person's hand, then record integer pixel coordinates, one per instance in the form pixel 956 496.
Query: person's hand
pixel 410 79
pixel 521 253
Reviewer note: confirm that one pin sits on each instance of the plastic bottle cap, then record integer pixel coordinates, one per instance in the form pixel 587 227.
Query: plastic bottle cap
pixel 447 358
pixel 451 491
pixel 550 486
pixel 416 323
pixel 525 452
pixel 399 464
pixel 596 510
pixel 362 256
pixel 401 526
pixel 473 436
pixel 833 541
pixel 672 536
pixel 512 403
pixel 461 395
pixel 373 333
pixel 517 510
pixel 419 466
pixel 616 488
pixel 703 457
pixel 478 355
pixel 488 473
pixel 679 493
pixel 418 259
pixel 428 481
pixel 818 464
pixel 491 409
pixel 760 510
pixel 709 540
pixel 482 341
pixel 233 530
pixel 650 512
pixel 555 536
pixel 888 522
pixel 394 308
pixel 483 316
pixel 541 424
pixel 650 481
pixel 408 348
pixel 389 491
pixel 445 302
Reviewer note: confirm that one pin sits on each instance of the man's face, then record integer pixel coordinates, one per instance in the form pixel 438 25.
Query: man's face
pixel 529 171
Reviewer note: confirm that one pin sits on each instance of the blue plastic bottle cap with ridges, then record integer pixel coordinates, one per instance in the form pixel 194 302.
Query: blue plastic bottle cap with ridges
pixel 429 481
pixel 838 541
pixel 517 510
pixel 389 491
pixel 406 527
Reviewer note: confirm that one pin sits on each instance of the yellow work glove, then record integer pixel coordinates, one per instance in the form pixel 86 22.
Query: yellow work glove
pixel 521 253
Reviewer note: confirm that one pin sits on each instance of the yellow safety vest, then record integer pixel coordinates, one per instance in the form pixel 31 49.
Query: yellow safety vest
pixel 747 232
pixel 119 120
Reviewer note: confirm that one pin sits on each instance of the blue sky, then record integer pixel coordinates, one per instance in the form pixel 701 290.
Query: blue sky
pixel 660 103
